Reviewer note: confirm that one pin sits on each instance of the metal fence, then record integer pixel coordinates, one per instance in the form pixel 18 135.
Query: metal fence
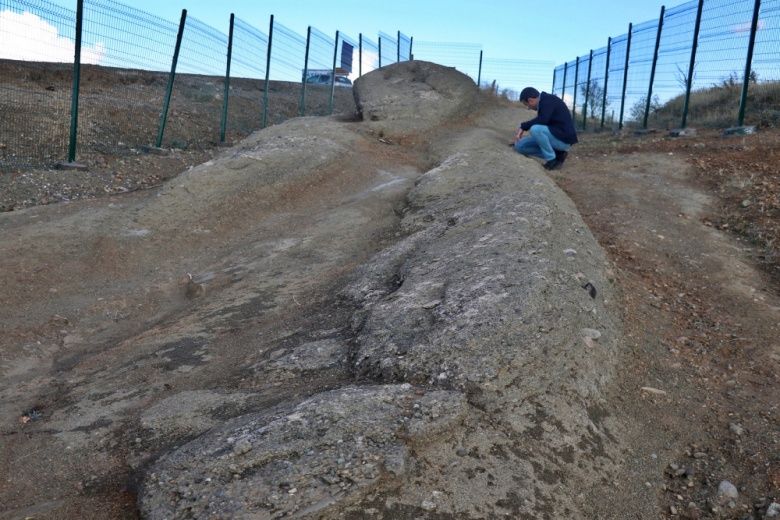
pixel 705 62
pixel 58 67
pixel 505 77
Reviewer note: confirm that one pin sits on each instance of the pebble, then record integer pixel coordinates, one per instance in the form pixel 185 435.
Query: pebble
pixel 591 333
pixel 773 511
pixel 727 490
pixel 242 446
pixel 428 505
pixel 570 252
pixel 736 429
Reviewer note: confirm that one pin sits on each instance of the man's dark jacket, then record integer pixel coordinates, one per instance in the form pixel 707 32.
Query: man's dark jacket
pixel 554 114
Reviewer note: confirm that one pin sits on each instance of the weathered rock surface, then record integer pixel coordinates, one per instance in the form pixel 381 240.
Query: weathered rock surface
pixel 325 451
pixel 413 96
pixel 491 356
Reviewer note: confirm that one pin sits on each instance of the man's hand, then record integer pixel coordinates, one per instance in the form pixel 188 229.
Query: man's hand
pixel 519 134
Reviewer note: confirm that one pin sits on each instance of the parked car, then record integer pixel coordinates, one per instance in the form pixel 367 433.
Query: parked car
pixel 325 79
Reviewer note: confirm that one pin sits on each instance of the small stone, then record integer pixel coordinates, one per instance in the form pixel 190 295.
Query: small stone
pixel 570 252
pixel 591 333
pixel 672 510
pixel 773 511
pixel 736 429
pixel 428 505
pixel 727 490
pixel 431 304
pixel 242 446
pixel 699 455
pixel 461 452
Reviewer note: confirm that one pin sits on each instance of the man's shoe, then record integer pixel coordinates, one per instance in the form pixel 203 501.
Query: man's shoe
pixel 560 156
pixel 552 164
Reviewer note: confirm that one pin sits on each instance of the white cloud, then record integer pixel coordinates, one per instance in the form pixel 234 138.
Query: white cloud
pixel 27 37
pixel 369 61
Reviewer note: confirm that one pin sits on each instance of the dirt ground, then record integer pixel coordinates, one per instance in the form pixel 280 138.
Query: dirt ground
pixel 701 308
pixel 691 225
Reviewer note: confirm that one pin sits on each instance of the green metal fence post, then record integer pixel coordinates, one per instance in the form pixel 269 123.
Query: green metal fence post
pixel 606 83
pixel 360 54
pixel 563 87
pixel 576 80
pixel 223 125
pixel 380 51
pixel 479 74
pixel 411 42
pixel 689 79
pixel 748 64
pixel 74 99
pixel 555 71
pixel 267 71
pixel 302 108
pixel 333 74
pixel 171 78
pixel 398 45
pixel 625 75
pixel 587 93
pixel 652 68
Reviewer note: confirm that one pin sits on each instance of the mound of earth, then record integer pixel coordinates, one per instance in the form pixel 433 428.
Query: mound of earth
pixel 412 97
pixel 475 357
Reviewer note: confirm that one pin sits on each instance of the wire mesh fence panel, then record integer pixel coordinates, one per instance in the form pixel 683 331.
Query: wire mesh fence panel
pixel 404 47
pixel 288 54
pixel 198 91
pixel 135 48
pixel 347 55
pixel 581 86
pixel 368 59
pixel 508 77
pixel 346 59
pixel 568 83
pixel 388 49
pixel 557 87
pixel 247 71
pixel 640 63
pixel 36 56
pixel 674 57
pixel 319 73
pixel 463 56
pixel 617 64
pixel 595 90
pixel 764 94
pixel 720 62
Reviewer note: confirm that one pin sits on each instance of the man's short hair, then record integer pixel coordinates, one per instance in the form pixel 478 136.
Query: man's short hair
pixel 528 92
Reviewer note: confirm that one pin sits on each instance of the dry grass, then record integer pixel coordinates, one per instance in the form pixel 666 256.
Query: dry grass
pixel 718 107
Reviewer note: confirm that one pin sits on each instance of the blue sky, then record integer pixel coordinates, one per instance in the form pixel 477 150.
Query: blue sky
pixel 553 30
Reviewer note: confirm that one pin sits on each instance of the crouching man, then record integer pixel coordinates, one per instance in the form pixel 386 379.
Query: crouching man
pixel 550 134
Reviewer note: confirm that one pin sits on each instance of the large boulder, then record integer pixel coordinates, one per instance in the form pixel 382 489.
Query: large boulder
pixel 412 97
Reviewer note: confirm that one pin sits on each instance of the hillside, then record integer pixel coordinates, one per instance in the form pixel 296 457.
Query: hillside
pixel 396 316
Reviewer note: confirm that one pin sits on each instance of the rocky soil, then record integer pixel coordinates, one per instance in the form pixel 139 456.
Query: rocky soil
pixel 398 317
